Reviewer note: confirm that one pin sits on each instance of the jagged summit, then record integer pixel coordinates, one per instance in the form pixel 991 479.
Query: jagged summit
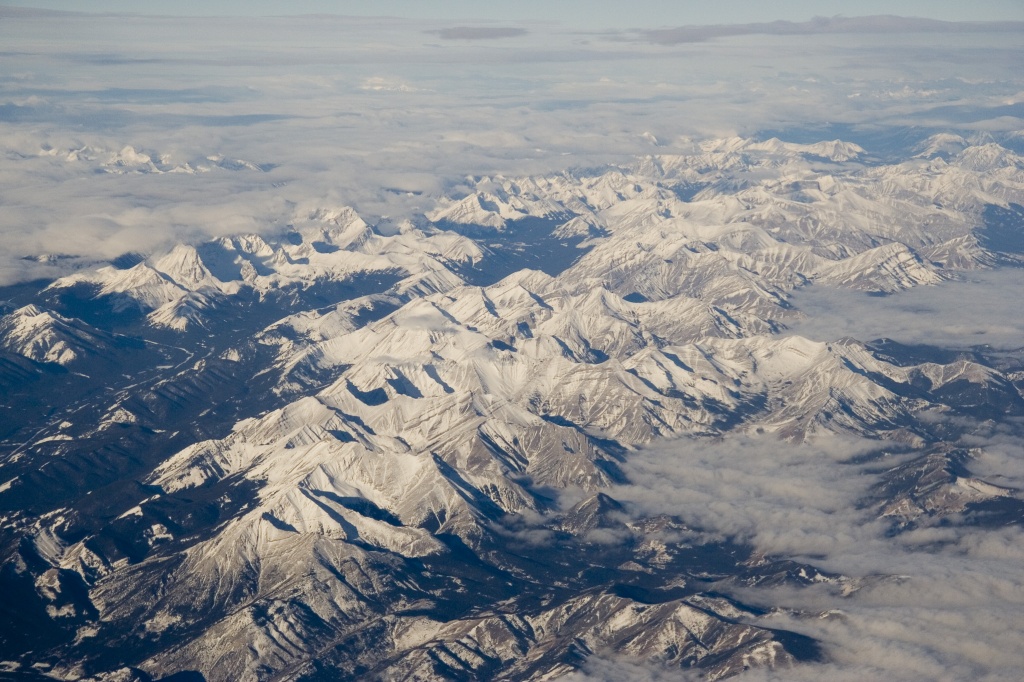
pixel 46 336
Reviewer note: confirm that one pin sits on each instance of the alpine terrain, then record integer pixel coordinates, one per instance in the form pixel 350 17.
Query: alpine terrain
pixel 396 449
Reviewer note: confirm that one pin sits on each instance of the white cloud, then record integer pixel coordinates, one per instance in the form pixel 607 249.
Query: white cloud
pixel 873 25
pixel 952 613
pixel 343 107
pixel 981 308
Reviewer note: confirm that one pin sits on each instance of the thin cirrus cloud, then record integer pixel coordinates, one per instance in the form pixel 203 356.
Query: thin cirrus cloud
pixel 478 32
pixel 826 25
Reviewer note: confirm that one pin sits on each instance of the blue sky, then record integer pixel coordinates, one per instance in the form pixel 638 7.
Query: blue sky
pixel 581 13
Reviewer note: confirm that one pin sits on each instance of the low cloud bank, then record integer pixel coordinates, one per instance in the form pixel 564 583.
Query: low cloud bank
pixel 941 601
pixel 982 308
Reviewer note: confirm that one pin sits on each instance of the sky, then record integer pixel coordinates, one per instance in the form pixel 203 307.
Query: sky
pixel 578 13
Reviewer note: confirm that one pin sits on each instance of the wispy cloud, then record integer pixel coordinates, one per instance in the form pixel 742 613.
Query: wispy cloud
pixel 477 32
pixel 825 25
pixel 935 315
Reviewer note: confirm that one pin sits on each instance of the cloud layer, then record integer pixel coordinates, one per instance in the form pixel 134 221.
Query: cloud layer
pixel 826 25
pixel 334 109
pixel 940 602
pixel 974 311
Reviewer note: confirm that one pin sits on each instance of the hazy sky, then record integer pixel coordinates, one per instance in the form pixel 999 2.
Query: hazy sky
pixel 582 13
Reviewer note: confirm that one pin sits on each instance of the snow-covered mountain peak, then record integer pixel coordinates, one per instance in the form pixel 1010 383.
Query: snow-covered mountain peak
pixel 184 266
pixel 130 157
pixel 942 145
pixel 989 157
pixel 836 150
pixel 46 336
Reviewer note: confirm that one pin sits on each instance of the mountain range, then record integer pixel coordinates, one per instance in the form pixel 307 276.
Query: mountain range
pixel 367 448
